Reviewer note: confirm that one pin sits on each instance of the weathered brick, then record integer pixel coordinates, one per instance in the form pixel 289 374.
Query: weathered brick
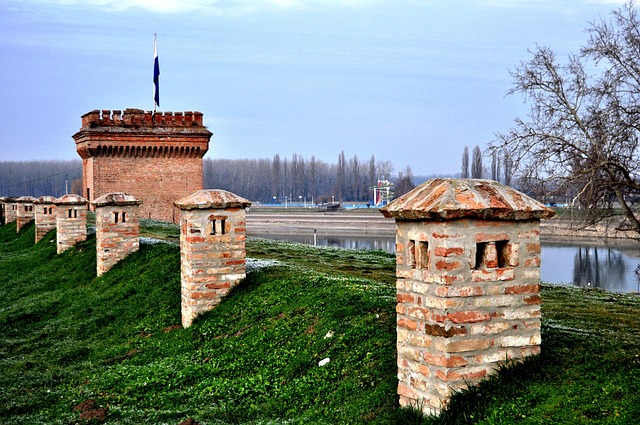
pixel 448 252
pixel 443 265
pixel 445 360
pixel 468 316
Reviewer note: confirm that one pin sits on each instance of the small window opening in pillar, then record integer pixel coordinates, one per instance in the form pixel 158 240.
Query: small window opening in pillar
pixel 44 210
pixel 503 253
pixel 70 212
pixel 124 216
pixel 422 254
pixel 116 216
pixel 217 226
pixel 50 210
pixel 491 255
pixel 411 254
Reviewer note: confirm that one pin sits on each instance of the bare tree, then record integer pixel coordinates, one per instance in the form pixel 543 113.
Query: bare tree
pixel 405 181
pixel 582 133
pixel 373 175
pixel 385 169
pixel 341 177
pixel 476 163
pixel 464 172
pixel 494 166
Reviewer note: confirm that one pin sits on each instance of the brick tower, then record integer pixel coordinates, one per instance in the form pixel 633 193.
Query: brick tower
pixel 157 159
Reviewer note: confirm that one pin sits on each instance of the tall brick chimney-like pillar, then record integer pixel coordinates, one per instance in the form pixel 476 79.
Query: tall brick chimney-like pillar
pixel 24 211
pixel 468 283
pixel 212 248
pixel 117 229
pixel 45 215
pixel 71 221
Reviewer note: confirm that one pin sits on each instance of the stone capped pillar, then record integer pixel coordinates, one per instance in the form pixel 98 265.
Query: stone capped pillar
pixel 468 283
pixel 45 215
pixel 212 248
pixel 117 229
pixel 10 209
pixel 24 211
pixel 71 221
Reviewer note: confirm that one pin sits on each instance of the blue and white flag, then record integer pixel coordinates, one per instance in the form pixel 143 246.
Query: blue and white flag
pixel 156 74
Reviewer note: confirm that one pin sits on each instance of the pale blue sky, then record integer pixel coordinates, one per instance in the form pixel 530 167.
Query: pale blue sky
pixel 405 80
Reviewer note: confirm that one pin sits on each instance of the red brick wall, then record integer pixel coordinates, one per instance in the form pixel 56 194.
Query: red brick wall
pixel 158 182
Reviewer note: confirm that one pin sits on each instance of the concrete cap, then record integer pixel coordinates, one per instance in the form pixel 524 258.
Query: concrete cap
pixel 448 199
pixel 116 198
pixel 212 199
pixel 71 199
pixel 45 200
pixel 26 199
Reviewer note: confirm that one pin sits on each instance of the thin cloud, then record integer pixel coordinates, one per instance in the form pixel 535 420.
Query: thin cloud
pixel 216 7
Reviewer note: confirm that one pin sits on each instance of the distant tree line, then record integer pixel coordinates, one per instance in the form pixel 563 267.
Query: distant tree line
pixel 297 179
pixel 501 166
pixel 40 178
pixel 266 180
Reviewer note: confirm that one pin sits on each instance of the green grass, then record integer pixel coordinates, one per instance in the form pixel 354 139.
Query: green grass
pixel 67 337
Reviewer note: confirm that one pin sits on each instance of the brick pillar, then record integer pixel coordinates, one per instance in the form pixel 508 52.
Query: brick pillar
pixel 468 281
pixel 24 211
pixel 10 210
pixel 212 248
pixel 45 215
pixel 71 221
pixel 117 229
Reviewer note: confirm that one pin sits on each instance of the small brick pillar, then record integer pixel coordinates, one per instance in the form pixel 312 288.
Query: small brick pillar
pixel 45 215
pixel 71 221
pixel 468 283
pixel 24 211
pixel 10 210
pixel 212 248
pixel 117 229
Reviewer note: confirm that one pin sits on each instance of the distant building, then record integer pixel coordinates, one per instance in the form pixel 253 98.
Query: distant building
pixel 157 158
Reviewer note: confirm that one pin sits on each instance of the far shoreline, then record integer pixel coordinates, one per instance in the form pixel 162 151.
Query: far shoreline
pixel 369 222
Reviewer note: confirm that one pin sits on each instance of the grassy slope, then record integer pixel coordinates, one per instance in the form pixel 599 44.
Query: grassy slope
pixel 67 337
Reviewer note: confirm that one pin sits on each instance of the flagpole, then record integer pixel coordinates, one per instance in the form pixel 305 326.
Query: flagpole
pixel 156 76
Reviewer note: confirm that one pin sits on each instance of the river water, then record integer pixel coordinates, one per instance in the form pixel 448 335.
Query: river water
pixel 613 268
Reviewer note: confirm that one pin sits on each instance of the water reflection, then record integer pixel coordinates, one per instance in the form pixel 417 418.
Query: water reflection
pixel 356 242
pixel 615 269
pixel 593 267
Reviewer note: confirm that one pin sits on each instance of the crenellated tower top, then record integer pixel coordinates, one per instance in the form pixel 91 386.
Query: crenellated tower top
pixel 132 117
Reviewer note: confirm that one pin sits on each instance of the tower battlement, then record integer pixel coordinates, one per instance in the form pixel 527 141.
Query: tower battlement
pixel 132 117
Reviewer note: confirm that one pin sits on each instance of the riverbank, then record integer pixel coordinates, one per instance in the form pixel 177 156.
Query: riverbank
pixel 370 222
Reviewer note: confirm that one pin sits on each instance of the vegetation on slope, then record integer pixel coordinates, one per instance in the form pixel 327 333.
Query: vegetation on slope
pixel 112 348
